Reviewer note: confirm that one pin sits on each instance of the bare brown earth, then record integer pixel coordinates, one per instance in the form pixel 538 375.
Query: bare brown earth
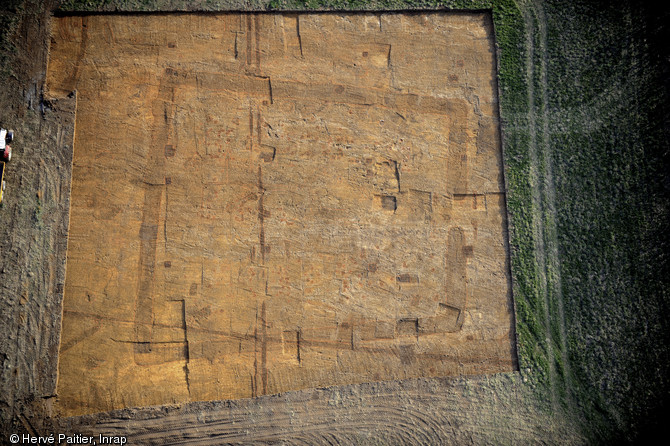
pixel 263 203
pixel 454 411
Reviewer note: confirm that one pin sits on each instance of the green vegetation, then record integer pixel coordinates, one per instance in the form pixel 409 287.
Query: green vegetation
pixel 607 96
pixel 37 212
pixel 85 5
pixel 8 22
pixel 584 118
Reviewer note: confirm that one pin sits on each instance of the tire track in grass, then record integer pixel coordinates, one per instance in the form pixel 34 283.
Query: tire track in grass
pixel 554 291
pixel 537 180
pixel 544 208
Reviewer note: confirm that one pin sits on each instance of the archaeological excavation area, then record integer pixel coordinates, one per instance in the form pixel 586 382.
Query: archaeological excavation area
pixel 272 202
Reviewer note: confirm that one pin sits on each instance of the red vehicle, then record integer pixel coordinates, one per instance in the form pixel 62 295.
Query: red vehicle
pixel 2 180
pixel 6 136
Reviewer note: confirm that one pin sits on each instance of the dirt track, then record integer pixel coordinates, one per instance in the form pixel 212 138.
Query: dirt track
pixel 201 266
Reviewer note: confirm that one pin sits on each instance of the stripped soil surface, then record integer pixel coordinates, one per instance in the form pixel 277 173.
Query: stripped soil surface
pixel 274 211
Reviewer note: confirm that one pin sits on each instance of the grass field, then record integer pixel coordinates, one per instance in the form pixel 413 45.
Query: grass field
pixel 584 96
pixel 607 101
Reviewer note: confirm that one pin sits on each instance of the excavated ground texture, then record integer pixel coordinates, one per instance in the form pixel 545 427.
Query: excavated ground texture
pixel 270 202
